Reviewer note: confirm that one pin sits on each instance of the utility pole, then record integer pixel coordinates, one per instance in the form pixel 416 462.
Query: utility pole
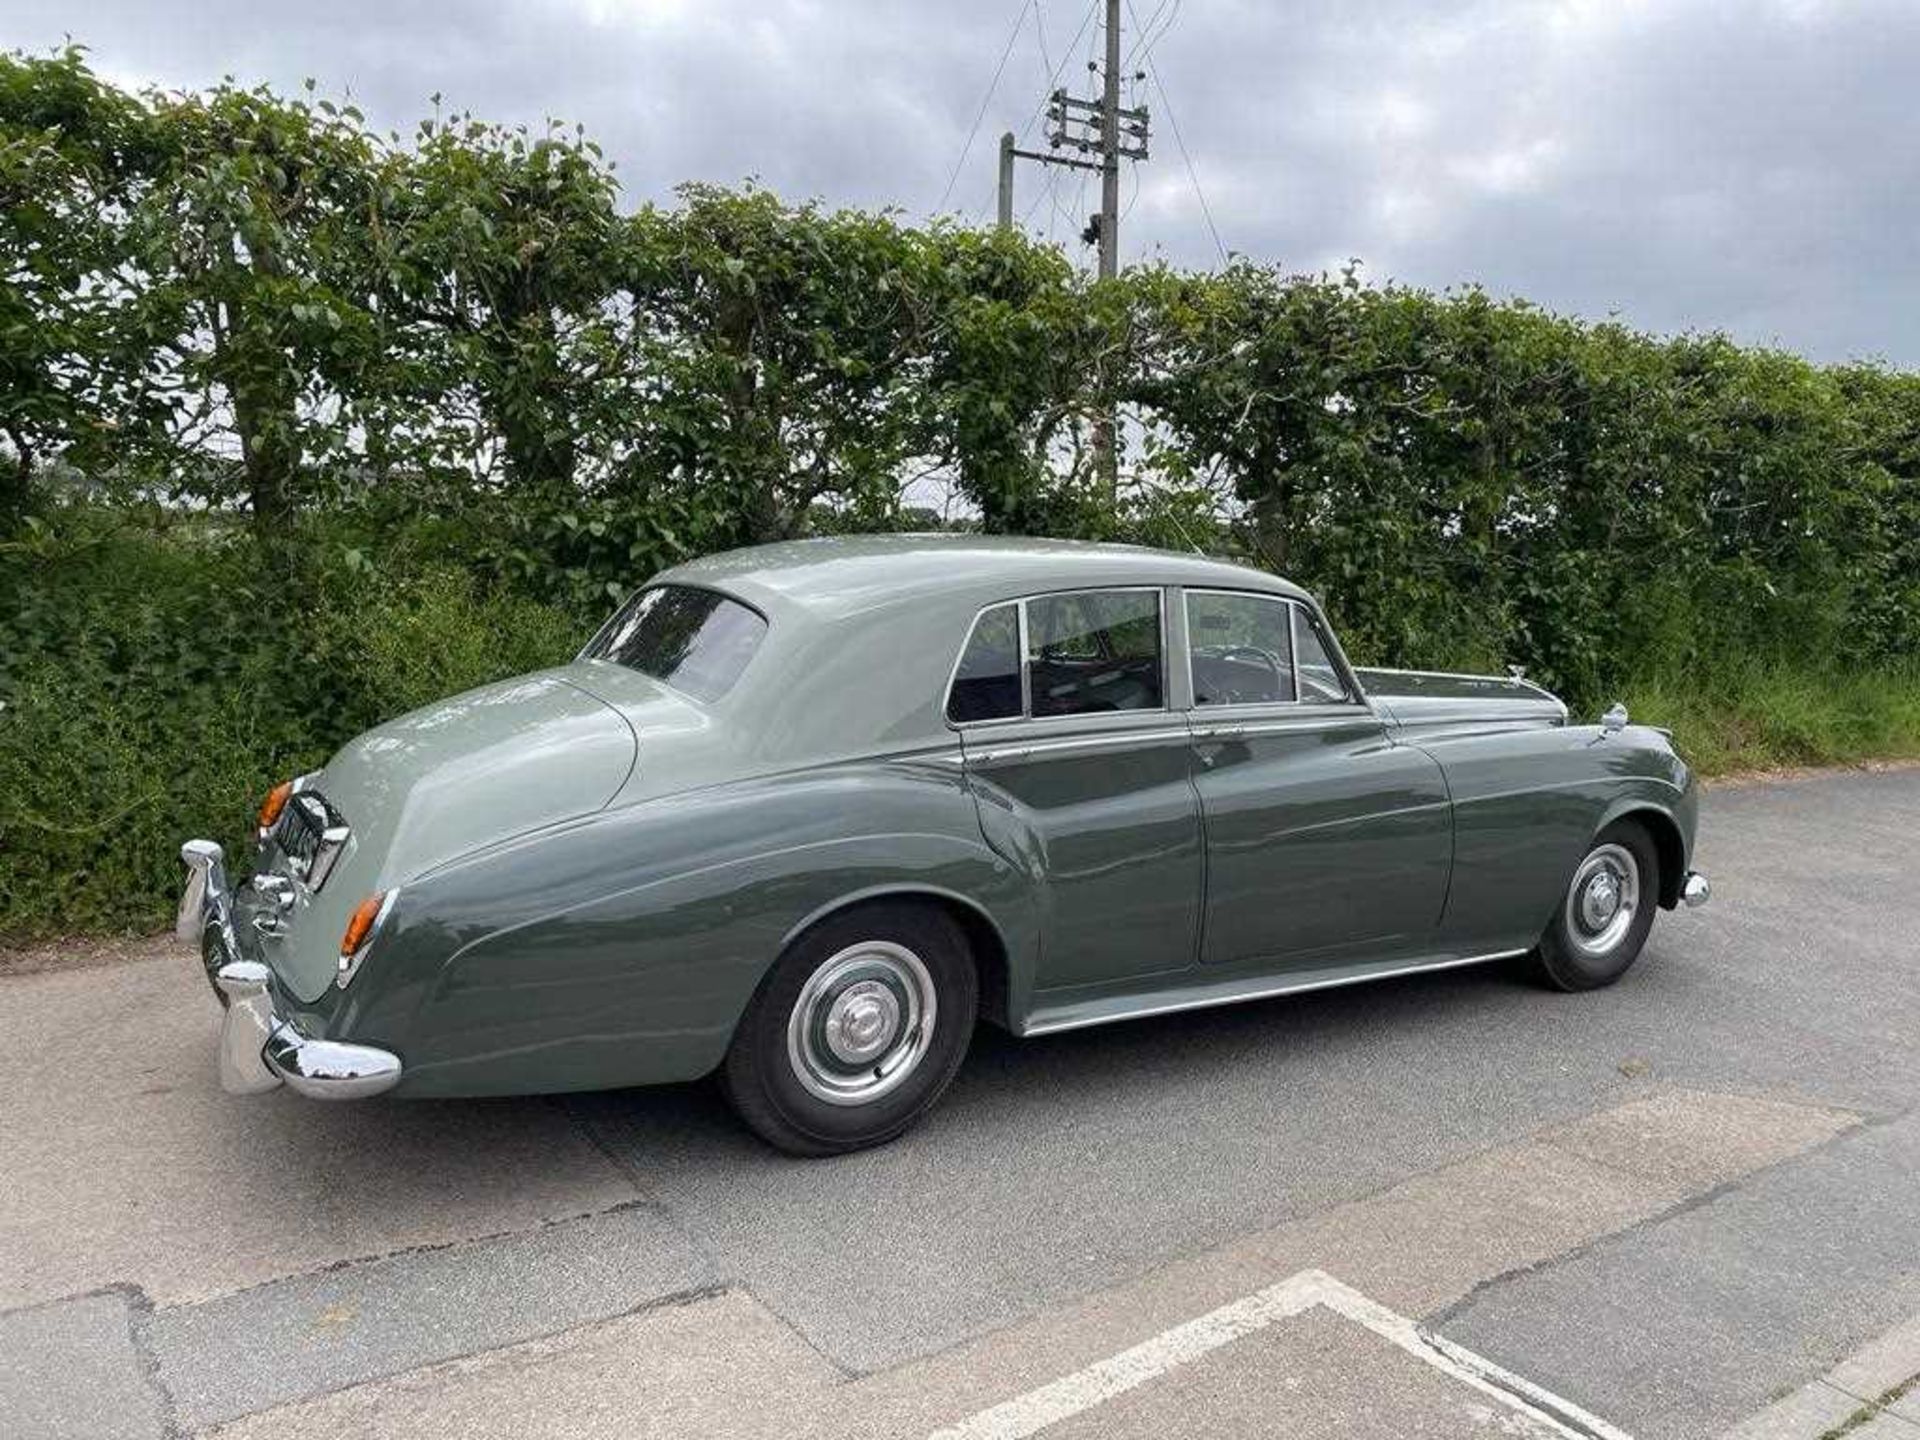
pixel 1110 149
pixel 1088 135
pixel 1105 129
pixel 1007 152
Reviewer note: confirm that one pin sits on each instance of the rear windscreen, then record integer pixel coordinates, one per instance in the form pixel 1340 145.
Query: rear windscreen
pixel 697 641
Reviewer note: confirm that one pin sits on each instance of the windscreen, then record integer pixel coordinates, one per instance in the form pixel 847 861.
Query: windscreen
pixel 697 641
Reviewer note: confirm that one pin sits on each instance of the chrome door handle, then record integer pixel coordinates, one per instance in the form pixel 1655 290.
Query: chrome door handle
pixel 1221 733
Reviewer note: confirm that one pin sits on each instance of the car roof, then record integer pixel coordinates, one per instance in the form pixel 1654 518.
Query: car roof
pixel 841 575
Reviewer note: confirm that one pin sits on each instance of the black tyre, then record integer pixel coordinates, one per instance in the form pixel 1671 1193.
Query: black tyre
pixel 856 1030
pixel 1605 912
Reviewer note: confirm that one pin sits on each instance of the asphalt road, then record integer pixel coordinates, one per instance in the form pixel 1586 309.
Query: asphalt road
pixel 1748 1215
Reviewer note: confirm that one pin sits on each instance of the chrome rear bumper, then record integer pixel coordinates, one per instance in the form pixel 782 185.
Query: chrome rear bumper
pixel 258 1048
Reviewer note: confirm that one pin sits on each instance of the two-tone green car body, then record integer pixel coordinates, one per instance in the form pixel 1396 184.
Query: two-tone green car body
pixel 800 813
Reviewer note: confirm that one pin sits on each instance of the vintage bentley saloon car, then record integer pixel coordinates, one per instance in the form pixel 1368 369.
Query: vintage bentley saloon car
pixel 801 814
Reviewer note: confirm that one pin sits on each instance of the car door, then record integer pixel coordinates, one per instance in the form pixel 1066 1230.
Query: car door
pixel 1326 841
pixel 1081 770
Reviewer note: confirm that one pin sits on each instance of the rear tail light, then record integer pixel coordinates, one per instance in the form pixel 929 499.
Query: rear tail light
pixel 364 924
pixel 275 802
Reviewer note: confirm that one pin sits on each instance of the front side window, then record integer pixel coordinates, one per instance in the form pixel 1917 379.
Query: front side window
pixel 1241 647
pixel 1093 651
pixel 697 641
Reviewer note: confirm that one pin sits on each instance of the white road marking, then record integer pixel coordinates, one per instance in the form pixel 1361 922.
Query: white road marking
pixel 1034 1411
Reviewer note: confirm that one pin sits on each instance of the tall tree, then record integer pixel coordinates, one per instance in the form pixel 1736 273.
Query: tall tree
pixel 782 348
pixel 75 153
pixel 506 249
pixel 260 300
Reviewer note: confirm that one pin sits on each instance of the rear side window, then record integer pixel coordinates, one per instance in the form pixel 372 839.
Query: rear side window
pixel 697 641
pixel 986 686
pixel 1092 651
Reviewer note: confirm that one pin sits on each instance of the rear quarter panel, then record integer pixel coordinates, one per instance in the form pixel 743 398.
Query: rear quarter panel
pixel 1526 804
pixel 622 949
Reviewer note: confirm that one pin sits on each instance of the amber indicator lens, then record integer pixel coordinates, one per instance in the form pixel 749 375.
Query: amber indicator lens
pixel 275 802
pixel 361 925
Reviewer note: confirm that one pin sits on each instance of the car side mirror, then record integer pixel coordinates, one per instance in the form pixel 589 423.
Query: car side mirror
pixel 1615 720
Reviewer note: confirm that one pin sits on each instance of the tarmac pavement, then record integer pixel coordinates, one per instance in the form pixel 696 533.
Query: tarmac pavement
pixel 1657 1209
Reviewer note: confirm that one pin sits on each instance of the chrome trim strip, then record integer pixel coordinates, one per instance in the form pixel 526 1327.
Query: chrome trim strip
pixel 1059 745
pixel 1209 1002
pixel 1541 716
pixel 1238 729
pixel 1020 659
pixel 1510 680
pixel 1293 651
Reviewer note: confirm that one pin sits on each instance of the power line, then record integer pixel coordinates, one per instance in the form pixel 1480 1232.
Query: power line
pixel 1053 74
pixel 1173 123
pixel 1019 20
pixel 1142 46
pixel 1040 34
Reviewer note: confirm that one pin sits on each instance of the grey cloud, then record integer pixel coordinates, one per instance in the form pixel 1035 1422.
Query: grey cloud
pixel 1688 164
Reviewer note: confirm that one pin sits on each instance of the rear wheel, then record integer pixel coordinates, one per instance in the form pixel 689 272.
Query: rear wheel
pixel 1602 921
pixel 856 1030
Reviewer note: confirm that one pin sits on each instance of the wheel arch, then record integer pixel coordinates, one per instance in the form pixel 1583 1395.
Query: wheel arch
pixel 985 939
pixel 1668 844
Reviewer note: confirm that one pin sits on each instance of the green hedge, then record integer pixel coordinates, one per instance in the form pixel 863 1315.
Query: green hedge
pixel 155 687
pixel 301 425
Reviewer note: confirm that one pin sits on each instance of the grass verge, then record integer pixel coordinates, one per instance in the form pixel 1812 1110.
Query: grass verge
pixel 1767 718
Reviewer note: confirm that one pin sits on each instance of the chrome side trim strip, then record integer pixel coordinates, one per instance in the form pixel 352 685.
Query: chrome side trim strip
pixel 1537 716
pixel 1237 729
pixel 1057 746
pixel 1509 680
pixel 1209 1002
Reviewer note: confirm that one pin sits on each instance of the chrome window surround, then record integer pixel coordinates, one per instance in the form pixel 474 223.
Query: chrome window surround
pixel 1300 612
pixel 1026 678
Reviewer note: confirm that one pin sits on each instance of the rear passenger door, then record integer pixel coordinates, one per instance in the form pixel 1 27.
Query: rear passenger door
pixel 1326 841
pixel 1081 769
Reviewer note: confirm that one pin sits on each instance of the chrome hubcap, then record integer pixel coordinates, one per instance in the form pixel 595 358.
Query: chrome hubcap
pixel 861 1023
pixel 1603 899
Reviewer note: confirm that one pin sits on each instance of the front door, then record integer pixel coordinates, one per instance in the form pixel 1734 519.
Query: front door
pixel 1326 841
pixel 1082 773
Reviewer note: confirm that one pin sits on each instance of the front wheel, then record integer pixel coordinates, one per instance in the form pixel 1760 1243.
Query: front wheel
pixel 856 1031
pixel 1604 915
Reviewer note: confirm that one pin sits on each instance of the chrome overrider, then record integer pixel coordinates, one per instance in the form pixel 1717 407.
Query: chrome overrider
pixel 258 1049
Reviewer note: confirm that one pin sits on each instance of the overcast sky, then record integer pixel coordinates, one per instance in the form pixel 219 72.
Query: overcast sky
pixel 1745 165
